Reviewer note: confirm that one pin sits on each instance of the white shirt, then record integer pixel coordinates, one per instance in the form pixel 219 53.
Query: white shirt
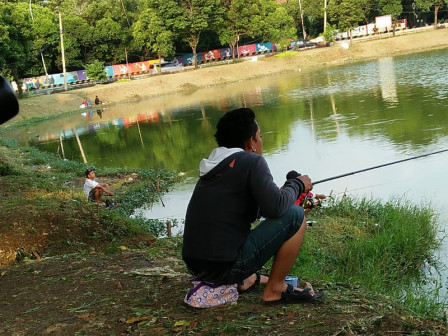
pixel 88 186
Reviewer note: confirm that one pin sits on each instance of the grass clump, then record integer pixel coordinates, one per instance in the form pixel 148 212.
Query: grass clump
pixel 384 247
pixel 288 53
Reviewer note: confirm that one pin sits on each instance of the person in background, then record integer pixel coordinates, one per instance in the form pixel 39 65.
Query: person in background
pixel 97 101
pixel 235 187
pixel 95 190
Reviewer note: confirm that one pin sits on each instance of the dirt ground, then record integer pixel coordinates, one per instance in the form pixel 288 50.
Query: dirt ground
pixel 64 280
pixel 190 80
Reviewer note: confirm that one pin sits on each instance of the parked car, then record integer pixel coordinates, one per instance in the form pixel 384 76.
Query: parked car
pixel 171 66
pixel 303 43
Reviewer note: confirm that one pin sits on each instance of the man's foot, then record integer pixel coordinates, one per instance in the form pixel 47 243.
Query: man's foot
pixel 252 282
pixel 292 294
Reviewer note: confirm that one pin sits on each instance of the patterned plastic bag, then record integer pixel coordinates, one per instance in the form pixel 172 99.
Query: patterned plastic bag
pixel 207 295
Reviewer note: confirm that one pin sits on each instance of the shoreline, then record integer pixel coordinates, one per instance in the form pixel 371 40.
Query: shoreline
pixel 188 81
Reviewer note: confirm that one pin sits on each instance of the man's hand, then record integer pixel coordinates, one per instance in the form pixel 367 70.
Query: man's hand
pixel 306 181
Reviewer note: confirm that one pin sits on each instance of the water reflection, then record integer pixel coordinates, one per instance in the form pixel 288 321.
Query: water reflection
pixel 387 80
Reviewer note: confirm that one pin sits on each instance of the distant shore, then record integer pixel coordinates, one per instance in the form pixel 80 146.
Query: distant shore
pixel 194 80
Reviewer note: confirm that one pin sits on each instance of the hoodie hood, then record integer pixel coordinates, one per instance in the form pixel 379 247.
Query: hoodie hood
pixel 216 156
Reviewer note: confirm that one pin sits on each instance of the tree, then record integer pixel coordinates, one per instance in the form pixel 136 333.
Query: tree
pixel 16 40
pixel 107 40
pixel 311 11
pixel 394 8
pixel 242 18
pixel 96 71
pixel 152 32
pixel 425 5
pixel 197 16
pixel 279 27
pixel 347 13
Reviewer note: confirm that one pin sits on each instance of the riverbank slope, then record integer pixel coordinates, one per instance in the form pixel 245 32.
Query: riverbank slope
pixel 186 81
pixel 72 268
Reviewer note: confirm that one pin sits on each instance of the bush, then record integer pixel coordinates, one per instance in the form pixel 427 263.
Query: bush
pixel 96 71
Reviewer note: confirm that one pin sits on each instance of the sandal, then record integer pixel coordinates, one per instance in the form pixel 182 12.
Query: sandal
pixel 253 286
pixel 291 296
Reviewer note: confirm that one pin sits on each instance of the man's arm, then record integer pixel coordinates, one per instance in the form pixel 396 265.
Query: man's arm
pixel 105 189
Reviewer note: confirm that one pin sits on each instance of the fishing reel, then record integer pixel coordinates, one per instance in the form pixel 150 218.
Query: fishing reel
pixel 311 203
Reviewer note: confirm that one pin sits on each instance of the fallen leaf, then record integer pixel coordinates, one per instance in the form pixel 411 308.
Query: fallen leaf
pixel 85 316
pixel 181 323
pixel 3 273
pixel 137 319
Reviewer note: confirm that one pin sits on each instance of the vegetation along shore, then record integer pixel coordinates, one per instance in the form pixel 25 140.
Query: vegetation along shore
pixel 71 268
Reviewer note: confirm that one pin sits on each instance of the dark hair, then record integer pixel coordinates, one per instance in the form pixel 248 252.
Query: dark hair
pixel 88 171
pixel 292 174
pixel 235 128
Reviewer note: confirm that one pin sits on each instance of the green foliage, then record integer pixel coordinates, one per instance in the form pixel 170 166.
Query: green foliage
pixel 7 169
pixel 392 7
pixel 287 54
pixel 242 18
pixel 347 13
pixel 96 71
pixel 109 31
pixel 196 17
pixel 154 33
pixel 330 33
pixel 382 246
pixel 279 26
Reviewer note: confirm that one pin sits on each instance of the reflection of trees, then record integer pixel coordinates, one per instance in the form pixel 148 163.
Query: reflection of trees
pixel 81 150
pixel 365 114
pixel 182 137
pixel 206 125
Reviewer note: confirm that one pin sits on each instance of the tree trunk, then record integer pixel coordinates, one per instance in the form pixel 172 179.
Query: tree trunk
pixel 193 42
pixel 232 46
pixel 436 9
pixel 195 58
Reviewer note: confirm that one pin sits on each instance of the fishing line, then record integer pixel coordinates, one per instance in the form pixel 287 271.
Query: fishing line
pixel 379 166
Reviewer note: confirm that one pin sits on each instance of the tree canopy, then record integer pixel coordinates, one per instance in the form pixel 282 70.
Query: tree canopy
pixel 112 32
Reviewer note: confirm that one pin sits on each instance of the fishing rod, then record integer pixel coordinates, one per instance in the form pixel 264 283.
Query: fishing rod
pixel 375 167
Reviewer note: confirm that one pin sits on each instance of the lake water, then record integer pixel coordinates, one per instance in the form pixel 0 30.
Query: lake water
pixel 323 124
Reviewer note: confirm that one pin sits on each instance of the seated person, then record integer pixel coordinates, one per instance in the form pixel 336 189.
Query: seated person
pixel 95 190
pixel 235 185
pixel 97 101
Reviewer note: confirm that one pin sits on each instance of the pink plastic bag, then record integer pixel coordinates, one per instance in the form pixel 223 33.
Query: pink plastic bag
pixel 208 295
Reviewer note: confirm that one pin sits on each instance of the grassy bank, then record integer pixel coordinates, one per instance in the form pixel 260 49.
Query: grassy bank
pixel 94 271
pixel 42 194
pixel 382 246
